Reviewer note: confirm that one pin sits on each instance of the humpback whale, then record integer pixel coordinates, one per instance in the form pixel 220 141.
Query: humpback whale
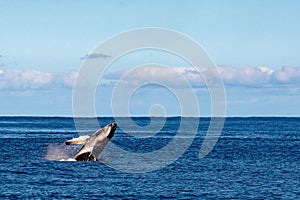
pixel 93 145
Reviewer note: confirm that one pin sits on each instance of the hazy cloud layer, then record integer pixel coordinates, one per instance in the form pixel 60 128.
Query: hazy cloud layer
pixel 232 76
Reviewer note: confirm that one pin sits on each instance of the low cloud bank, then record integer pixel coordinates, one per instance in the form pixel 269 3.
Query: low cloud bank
pixel 232 76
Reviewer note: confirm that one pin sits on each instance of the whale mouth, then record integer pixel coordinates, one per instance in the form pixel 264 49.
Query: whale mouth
pixel 113 127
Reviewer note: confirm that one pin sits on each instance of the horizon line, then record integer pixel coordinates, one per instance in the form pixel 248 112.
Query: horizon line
pixel 170 116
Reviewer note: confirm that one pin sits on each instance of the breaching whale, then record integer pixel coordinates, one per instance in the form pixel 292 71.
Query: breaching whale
pixel 93 145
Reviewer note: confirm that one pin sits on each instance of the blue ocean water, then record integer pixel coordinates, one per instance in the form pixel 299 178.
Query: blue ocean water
pixel 255 158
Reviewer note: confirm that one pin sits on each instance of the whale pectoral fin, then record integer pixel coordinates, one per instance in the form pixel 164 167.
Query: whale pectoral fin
pixel 79 140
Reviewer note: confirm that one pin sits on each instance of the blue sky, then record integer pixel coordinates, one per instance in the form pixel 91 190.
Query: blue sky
pixel 255 43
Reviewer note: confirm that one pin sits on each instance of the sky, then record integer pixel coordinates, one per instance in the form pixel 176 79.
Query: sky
pixel 255 45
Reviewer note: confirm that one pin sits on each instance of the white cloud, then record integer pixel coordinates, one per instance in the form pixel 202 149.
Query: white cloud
pixel 287 75
pixel 261 76
pixel 30 79
pixel 34 79
pixel 174 76
pixel 231 76
pixel 168 76
pixel 248 76
pixel 68 79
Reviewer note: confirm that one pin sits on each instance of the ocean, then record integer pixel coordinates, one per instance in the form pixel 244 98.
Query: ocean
pixel 254 158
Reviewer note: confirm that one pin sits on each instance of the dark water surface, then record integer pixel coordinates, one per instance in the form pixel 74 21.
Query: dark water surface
pixel 257 158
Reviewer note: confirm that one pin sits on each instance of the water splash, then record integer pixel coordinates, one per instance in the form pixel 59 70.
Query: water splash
pixel 59 152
